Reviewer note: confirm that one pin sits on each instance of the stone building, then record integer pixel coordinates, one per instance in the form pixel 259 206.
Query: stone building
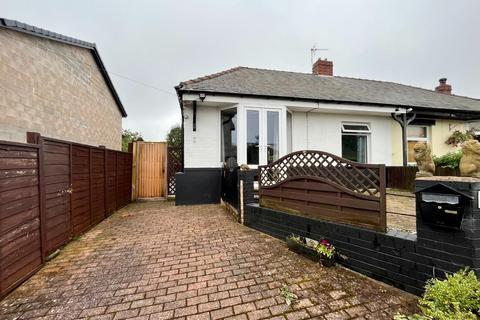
pixel 57 86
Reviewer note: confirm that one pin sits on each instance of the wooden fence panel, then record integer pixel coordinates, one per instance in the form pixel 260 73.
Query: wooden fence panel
pixel 51 190
pixel 127 193
pixel 120 180
pixel 321 185
pixel 98 185
pixel 403 178
pixel 81 200
pixel 111 200
pixel 56 164
pixel 20 236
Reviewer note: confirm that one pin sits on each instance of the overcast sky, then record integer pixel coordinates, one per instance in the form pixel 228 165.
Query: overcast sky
pixel 160 43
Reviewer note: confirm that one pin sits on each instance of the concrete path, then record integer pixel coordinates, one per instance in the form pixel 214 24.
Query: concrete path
pixel 156 261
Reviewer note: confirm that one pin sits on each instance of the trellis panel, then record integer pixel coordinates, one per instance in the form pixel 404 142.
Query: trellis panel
pixel 321 185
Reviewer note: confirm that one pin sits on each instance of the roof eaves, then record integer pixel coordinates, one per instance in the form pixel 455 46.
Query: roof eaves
pixel 108 80
pixel 209 76
pixel 364 103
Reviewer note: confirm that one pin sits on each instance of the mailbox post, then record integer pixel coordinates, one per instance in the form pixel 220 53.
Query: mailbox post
pixel 448 221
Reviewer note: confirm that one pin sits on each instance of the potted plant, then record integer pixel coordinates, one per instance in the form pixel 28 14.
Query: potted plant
pixel 300 245
pixel 326 251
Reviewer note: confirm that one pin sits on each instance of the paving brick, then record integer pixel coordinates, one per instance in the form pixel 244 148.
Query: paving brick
pixel 259 314
pixel 230 302
pixel 203 307
pixel 162 315
pixel 243 308
pixel 126 314
pixel 180 312
pixel 221 313
pixel 297 315
pixel 145 261
pixel 197 300
pixel 93 312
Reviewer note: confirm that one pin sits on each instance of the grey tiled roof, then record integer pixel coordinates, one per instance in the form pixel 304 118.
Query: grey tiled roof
pixel 303 86
pixel 39 32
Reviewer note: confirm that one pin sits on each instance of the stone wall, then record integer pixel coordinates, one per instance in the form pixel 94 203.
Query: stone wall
pixel 55 89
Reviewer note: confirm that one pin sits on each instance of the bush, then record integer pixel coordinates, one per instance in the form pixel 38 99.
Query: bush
pixel 455 298
pixel 458 137
pixel 449 160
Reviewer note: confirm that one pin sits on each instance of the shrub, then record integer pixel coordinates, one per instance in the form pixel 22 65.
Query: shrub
pixel 455 298
pixel 449 160
pixel 458 137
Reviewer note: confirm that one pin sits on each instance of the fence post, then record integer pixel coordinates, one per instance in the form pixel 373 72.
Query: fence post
pixel 383 197
pixel 105 179
pixel 42 204
pixel 90 184
pixel 242 220
pixel 33 137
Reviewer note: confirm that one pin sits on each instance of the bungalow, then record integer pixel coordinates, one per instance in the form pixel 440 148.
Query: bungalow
pixel 255 116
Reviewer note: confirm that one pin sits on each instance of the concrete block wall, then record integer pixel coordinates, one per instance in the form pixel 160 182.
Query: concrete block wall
pixel 55 89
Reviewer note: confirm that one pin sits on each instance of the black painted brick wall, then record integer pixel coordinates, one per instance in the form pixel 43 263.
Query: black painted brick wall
pixel 248 178
pixel 395 257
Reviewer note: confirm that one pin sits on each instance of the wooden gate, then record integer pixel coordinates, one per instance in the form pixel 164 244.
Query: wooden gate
pixel 321 185
pixel 150 163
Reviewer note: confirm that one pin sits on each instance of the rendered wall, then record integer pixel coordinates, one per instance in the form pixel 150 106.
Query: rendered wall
pixel 323 131
pixel 202 147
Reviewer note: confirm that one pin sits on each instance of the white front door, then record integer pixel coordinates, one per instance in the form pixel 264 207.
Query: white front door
pixel 262 143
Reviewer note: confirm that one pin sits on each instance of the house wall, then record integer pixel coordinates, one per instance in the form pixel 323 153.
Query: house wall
pixel 200 182
pixel 55 89
pixel 202 147
pixel 323 131
pixel 438 134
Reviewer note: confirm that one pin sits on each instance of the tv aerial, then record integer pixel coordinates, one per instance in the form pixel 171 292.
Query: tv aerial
pixel 313 52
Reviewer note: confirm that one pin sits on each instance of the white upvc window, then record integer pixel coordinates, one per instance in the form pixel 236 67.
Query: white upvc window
pixel 416 133
pixel 355 141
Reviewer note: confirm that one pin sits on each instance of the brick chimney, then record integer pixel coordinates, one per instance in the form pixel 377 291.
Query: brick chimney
pixel 443 87
pixel 323 67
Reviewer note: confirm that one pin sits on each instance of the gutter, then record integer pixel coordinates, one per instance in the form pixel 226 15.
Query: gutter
pixel 440 113
pixel 180 101
pixel 306 116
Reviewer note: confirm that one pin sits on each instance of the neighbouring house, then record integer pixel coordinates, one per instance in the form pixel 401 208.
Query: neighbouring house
pixel 255 116
pixel 57 86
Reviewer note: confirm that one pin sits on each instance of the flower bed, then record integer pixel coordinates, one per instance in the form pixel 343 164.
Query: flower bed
pixel 322 251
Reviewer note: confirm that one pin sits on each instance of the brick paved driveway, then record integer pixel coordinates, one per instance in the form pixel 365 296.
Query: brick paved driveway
pixel 157 261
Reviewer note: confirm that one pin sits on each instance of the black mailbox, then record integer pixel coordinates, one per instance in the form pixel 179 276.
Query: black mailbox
pixel 442 206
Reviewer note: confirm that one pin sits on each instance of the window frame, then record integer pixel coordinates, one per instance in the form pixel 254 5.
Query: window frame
pixel 418 139
pixel 366 133
pixel 367 125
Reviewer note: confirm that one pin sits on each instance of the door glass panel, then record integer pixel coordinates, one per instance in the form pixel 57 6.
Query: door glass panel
pixel 253 136
pixel 354 147
pixel 229 136
pixel 272 136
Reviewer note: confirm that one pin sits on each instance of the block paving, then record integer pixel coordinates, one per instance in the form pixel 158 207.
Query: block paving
pixel 153 260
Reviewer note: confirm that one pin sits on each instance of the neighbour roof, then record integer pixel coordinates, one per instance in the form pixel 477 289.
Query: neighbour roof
pixel 25 28
pixel 304 86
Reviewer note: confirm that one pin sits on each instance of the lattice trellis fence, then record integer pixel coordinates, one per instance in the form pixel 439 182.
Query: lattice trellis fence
pixel 321 185
pixel 174 165
pixel 359 178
